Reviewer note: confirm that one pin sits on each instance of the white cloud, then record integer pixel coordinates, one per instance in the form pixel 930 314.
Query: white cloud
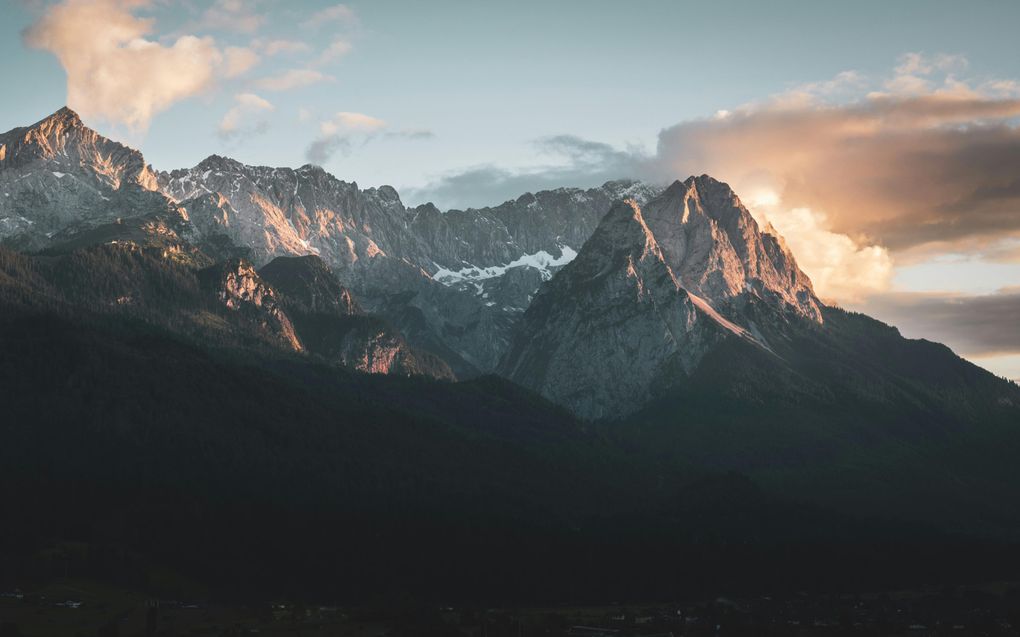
pixel 844 84
pixel 239 60
pixel 231 15
pixel 912 75
pixel 347 122
pixel 278 47
pixel 336 13
pixel 113 71
pixel 336 50
pixel 338 133
pixel 294 78
pixel 247 106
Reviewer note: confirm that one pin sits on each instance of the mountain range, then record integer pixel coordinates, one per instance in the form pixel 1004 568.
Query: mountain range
pixel 576 356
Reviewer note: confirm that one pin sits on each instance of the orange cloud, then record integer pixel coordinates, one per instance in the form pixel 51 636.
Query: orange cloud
pixel 117 72
pixel 915 172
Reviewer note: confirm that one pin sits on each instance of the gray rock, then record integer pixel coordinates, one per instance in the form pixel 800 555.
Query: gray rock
pixel 652 291
pixel 58 172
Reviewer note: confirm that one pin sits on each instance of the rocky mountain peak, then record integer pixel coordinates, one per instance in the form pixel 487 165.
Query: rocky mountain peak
pixel 66 145
pixel 387 193
pixel 626 223
pixel 218 162
pixel 653 290
pixel 59 174
pixel 313 170
pixel 49 129
pixel 61 120
pixel 613 323
pixel 717 250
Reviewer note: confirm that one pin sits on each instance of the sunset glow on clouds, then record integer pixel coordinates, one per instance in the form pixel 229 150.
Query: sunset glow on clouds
pixel 840 269
pixel 913 171
pixel 927 164
pixel 884 176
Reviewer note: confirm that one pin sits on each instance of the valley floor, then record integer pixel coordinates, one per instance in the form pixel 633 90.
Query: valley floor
pixel 78 607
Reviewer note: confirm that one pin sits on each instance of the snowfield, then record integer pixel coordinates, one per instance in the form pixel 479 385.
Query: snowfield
pixel 541 261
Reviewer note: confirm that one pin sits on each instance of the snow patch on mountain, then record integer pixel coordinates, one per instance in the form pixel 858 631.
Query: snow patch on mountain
pixel 541 261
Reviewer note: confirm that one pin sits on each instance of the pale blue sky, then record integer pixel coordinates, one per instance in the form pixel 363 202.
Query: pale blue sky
pixel 487 78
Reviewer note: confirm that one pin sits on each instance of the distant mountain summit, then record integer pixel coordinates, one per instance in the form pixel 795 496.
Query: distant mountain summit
pixel 654 289
pixel 599 334
pixel 663 287
pixel 63 141
pixel 58 173
pixel 717 250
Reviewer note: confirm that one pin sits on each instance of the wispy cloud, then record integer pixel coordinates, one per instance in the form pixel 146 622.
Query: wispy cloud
pixel 239 60
pixel 232 15
pixel 244 117
pixel 340 132
pixel 292 79
pixel 337 49
pixel 280 47
pixel 351 123
pixel 336 13
pixel 569 161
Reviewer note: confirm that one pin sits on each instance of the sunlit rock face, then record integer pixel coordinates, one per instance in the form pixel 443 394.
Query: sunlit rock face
pixel 652 291
pixel 600 332
pixel 716 249
pixel 454 282
pixel 240 288
pixel 64 141
pixel 283 211
pixel 370 345
pixel 58 172
pixel 332 325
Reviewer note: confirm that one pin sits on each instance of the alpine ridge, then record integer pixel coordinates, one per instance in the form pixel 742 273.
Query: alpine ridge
pixel 717 250
pixel 455 283
pixel 599 305
pixel 600 332
pixel 264 377
pixel 654 289
pixel 662 287
pixel 59 173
